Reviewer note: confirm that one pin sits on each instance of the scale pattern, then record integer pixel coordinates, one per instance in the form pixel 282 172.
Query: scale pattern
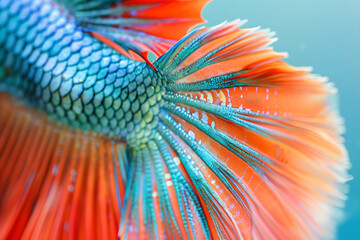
pixel 78 80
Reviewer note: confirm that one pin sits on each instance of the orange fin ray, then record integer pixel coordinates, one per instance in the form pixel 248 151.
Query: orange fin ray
pixel 55 182
pixel 141 26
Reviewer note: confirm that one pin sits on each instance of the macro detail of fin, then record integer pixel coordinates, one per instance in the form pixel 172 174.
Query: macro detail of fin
pixel 138 26
pixel 265 166
pixel 56 183
pixel 219 138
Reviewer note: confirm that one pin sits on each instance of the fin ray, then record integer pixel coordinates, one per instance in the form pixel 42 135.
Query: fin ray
pixel 52 176
pixel 234 105
pixel 140 26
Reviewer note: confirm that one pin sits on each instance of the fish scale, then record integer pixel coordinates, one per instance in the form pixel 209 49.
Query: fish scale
pixel 76 79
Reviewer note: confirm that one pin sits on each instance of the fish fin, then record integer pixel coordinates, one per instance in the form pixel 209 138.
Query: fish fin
pixel 160 201
pixel 56 183
pixel 263 137
pixel 141 26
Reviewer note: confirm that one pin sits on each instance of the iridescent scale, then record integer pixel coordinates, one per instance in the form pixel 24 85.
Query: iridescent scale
pixel 78 80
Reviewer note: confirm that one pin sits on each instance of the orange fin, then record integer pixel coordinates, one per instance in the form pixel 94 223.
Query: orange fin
pixel 140 26
pixel 56 183
pixel 261 138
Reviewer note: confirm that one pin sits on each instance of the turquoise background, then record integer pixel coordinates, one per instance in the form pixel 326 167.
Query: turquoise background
pixel 324 34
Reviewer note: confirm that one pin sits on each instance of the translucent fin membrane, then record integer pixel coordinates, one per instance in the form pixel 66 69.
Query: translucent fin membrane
pixel 138 26
pixel 56 183
pixel 263 140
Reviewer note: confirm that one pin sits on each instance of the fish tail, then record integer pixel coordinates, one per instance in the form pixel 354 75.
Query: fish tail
pixel 247 146
pixel 56 183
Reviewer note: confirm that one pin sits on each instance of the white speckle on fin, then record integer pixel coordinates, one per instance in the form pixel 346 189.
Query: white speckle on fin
pixel 204 118
pixel 195 115
pixel 177 160
pixel 191 134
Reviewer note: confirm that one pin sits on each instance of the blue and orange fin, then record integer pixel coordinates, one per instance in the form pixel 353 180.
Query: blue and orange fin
pixel 57 183
pixel 160 201
pixel 256 139
pixel 141 26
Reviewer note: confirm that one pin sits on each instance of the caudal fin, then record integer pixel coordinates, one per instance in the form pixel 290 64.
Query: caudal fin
pixel 256 140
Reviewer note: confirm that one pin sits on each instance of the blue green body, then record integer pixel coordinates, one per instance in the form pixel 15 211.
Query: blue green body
pixel 77 80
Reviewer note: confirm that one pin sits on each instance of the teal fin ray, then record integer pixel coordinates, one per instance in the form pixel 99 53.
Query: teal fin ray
pixel 159 198
pixel 261 163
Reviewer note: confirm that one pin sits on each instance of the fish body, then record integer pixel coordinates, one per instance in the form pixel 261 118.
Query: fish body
pixel 74 77
pixel 208 141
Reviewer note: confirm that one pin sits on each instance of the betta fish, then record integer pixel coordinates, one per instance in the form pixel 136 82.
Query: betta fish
pixel 118 123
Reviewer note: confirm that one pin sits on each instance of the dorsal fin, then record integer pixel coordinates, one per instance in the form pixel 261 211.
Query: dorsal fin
pixel 141 26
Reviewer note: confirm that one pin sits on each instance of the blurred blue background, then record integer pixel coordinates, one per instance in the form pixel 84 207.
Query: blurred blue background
pixel 324 34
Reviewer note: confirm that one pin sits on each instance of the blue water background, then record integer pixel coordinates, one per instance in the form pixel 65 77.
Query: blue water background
pixel 324 34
